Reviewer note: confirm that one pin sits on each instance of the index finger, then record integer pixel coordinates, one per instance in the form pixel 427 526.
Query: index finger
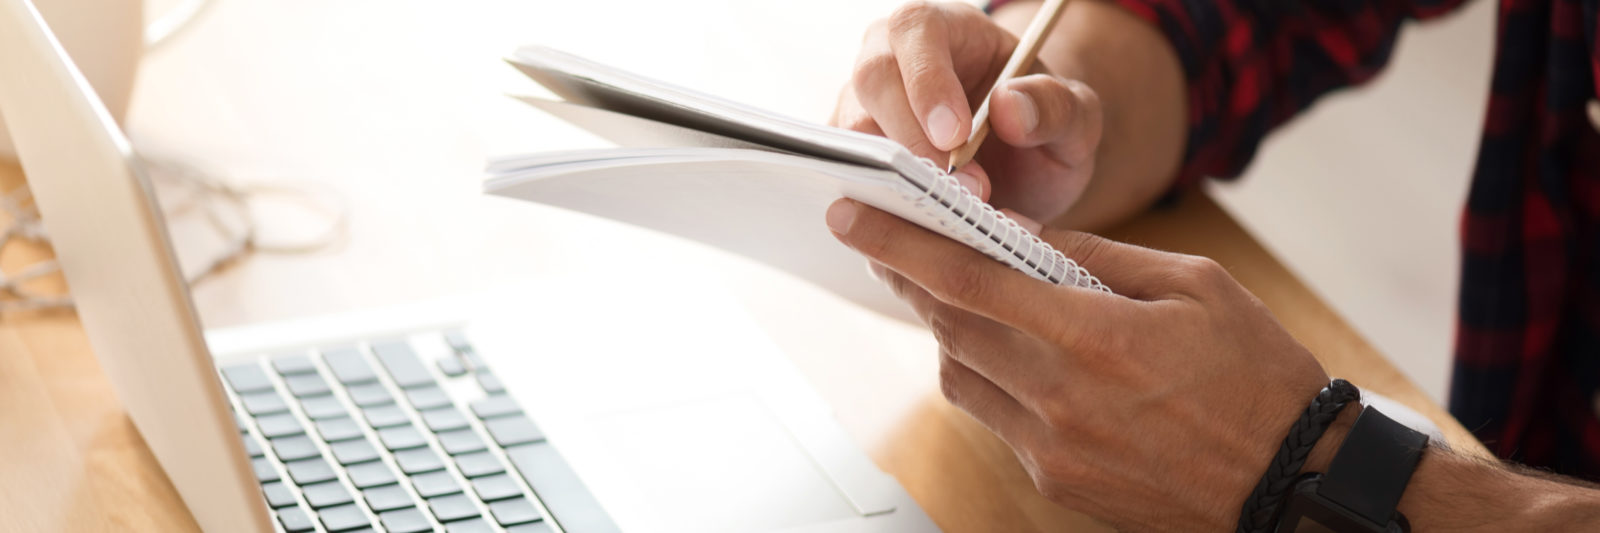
pixel 961 276
pixel 919 36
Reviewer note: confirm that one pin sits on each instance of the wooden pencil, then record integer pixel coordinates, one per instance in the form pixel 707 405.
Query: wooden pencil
pixel 1021 60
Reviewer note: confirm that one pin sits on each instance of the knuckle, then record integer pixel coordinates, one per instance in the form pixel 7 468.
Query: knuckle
pixel 1085 95
pixel 1053 474
pixel 1050 489
pixel 1056 413
pixel 871 69
pixel 950 381
pixel 944 331
pixel 1200 272
pixel 910 15
pixel 1081 247
pixel 962 283
pixel 921 68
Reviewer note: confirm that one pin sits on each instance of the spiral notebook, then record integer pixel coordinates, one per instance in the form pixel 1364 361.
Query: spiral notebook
pixel 746 180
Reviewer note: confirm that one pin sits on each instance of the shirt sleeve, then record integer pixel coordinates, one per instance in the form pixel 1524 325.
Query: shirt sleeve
pixel 1251 65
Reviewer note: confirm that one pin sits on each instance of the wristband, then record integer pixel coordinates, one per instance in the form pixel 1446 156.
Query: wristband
pixel 1363 484
pixel 1261 507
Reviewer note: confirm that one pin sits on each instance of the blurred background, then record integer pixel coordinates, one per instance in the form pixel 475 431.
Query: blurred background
pixel 1361 197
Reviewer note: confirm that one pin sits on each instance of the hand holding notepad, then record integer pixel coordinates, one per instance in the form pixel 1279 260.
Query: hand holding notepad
pixel 746 180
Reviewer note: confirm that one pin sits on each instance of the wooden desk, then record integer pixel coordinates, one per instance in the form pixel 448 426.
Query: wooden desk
pixel 75 462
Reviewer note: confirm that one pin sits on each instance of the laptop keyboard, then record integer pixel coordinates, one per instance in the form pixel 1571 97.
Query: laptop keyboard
pixel 375 437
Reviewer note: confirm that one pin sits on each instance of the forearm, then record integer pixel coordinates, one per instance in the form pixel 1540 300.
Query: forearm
pixel 1453 492
pixel 1140 83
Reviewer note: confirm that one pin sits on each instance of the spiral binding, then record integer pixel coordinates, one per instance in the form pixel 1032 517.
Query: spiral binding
pixel 947 196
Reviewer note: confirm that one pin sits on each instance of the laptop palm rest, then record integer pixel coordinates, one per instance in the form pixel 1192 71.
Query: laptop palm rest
pixel 722 463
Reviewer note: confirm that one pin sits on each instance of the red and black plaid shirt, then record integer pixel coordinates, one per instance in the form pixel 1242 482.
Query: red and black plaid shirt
pixel 1527 363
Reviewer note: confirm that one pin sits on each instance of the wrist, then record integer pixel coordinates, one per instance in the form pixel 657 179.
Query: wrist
pixel 1454 492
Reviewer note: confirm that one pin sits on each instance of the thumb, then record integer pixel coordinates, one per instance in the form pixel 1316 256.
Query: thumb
pixel 1042 109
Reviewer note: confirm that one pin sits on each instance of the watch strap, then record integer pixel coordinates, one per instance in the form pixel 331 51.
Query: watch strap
pixel 1370 471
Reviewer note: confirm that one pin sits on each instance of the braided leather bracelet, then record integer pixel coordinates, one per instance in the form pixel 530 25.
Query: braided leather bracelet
pixel 1262 505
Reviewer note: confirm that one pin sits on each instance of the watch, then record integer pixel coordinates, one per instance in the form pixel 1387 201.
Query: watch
pixel 1363 484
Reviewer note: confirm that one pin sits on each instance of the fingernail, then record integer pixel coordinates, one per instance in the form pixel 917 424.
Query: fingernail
pixel 970 182
pixel 1027 112
pixel 942 126
pixel 841 215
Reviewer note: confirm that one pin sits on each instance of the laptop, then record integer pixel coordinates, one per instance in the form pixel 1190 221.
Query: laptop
pixel 564 405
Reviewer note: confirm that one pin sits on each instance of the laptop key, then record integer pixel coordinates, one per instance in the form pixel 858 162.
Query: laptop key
pixel 536 527
pixel 451 366
pixel 512 512
pixel 512 431
pixel 264 470
pixel 252 446
pixel 295 520
pixel 304 385
pixel 408 520
pixel 322 407
pixel 263 403
pixel 291 364
pixel 371 474
pixel 498 487
pixel 369 394
pixel 326 494
pixel 418 460
pixel 353 451
pixel 457 341
pixel 307 471
pixel 434 484
pixel 475 525
pixel 491 383
pixel 247 378
pixel 444 419
pixel 294 448
pixel 279 425
pixel 384 416
pixel 478 464
pixel 338 429
pixel 343 518
pixel 277 495
pixel 559 488
pixel 494 407
pixel 428 398
pixel 402 363
pixel 348 366
pixel 453 507
pixel 461 441
pixel 402 437
pixel 387 498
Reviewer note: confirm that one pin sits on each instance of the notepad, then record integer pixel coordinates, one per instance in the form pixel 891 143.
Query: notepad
pixel 746 180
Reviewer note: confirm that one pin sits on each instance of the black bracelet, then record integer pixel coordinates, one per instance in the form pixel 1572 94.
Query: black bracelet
pixel 1262 505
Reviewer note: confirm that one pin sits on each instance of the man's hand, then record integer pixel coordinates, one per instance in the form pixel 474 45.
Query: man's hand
pixel 923 71
pixel 1157 406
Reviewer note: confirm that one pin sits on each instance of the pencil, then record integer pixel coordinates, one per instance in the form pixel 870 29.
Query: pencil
pixel 1019 63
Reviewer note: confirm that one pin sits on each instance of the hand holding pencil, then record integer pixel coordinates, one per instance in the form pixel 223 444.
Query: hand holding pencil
pixel 924 70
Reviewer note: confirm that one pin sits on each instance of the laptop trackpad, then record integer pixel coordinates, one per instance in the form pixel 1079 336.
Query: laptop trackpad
pixel 723 463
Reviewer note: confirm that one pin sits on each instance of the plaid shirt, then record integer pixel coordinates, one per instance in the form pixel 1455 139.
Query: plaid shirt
pixel 1527 356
